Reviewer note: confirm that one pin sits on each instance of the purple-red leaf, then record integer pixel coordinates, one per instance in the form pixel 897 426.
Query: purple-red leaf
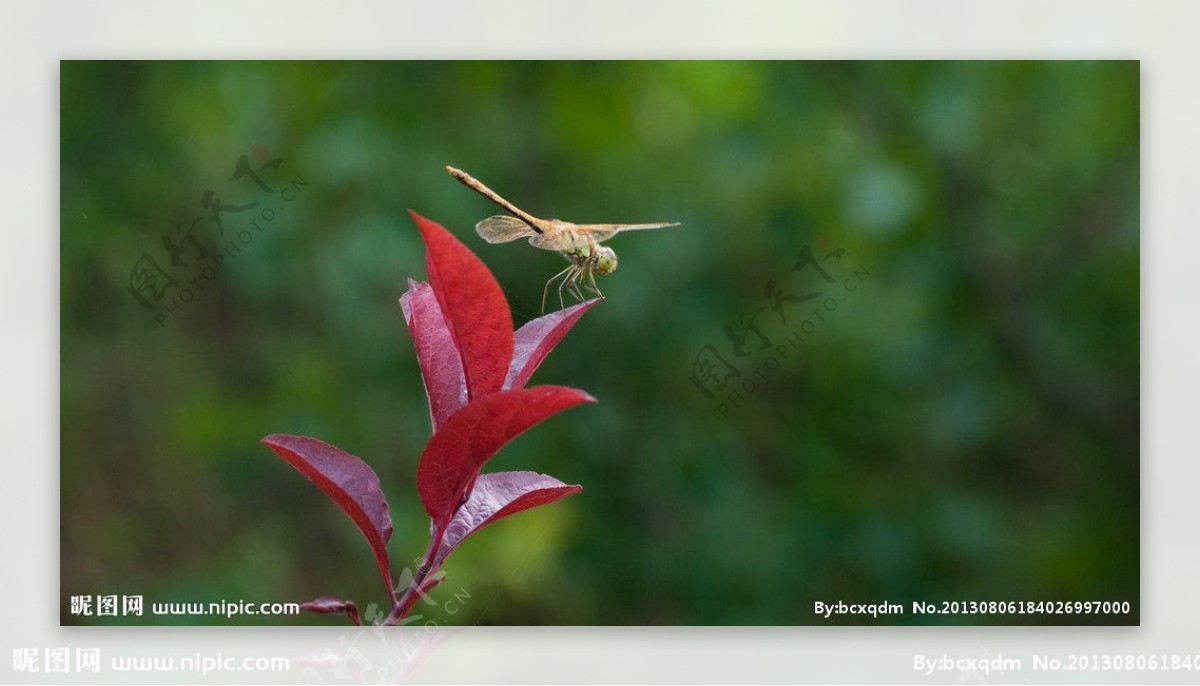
pixel 499 495
pixel 474 308
pixel 328 605
pixel 348 481
pixel 453 457
pixel 441 366
pixel 537 338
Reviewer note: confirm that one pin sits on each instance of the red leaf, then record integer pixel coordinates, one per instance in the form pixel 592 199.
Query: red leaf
pixel 328 605
pixel 453 457
pixel 348 481
pixel 441 366
pixel 537 338
pixel 499 495
pixel 475 310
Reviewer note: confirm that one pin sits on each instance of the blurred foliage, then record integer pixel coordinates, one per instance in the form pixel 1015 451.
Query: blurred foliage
pixel 965 426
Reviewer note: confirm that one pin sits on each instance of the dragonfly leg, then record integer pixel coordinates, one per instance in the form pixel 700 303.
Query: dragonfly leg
pixel 581 280
pixel 562 284
pixel 591 285
pixel 554 278
pixel 571 284
pixel 576 279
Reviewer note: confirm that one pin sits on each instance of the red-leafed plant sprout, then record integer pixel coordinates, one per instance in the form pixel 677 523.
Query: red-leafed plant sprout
pixel 475 369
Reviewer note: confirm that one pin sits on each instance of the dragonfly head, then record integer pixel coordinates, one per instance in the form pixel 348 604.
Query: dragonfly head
pixel 606 260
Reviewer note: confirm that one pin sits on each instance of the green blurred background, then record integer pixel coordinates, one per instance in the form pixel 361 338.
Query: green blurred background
pixel 965 426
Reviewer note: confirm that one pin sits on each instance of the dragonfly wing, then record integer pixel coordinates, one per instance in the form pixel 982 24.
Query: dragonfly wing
pixel 502 229
pixel 603 232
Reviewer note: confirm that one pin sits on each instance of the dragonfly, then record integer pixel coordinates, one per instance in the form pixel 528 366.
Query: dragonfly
pixel 579 243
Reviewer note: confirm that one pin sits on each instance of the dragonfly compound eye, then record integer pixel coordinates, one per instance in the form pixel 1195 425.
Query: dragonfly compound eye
pixel 606 261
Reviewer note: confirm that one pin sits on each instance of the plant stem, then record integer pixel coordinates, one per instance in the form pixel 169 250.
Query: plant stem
pixel 401 607
pixel 391 591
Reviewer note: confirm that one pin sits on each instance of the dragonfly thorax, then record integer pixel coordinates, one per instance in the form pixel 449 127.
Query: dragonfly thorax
pixel 597 259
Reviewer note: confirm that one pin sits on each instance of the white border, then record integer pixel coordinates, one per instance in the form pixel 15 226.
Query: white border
pixel 34 36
